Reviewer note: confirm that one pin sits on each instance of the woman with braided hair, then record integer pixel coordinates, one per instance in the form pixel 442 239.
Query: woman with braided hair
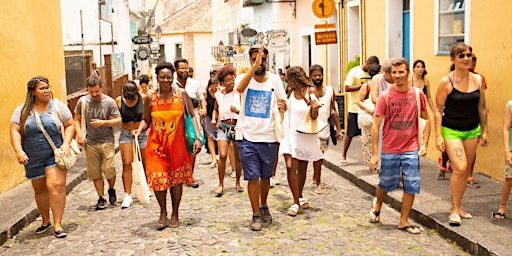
pixel 34 151
pixel 298 148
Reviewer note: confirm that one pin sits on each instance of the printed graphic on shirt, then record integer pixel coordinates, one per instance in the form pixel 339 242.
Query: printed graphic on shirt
pixel 400 120
pixel 257 103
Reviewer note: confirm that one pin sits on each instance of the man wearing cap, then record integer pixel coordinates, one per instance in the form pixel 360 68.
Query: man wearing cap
pixel 260 91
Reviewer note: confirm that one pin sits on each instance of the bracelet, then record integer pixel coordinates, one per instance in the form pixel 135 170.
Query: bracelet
pixel 199 139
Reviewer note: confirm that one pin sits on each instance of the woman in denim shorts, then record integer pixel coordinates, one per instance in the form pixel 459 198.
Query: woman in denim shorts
pixel 131 107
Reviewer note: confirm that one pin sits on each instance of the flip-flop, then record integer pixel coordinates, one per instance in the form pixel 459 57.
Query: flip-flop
pixel 454 220
pixel 411 229
pixel 374 215
pixel 161 226
pixel 495 214
pixel 343 162
pixel 466 215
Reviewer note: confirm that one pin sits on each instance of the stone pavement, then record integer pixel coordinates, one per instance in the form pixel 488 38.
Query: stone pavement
pixel 336 224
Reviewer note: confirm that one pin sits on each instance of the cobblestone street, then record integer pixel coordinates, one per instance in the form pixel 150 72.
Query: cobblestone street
pixel 335 224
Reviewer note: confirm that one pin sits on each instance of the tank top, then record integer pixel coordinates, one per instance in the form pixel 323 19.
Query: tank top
pixel 424 86
pixel 210 104
pixel 461 110
pixel 132 114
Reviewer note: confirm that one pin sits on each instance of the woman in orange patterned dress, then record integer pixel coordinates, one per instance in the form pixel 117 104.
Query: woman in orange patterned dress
pixel 168 164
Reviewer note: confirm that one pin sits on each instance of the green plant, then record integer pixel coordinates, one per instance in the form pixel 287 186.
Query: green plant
pixel 353 63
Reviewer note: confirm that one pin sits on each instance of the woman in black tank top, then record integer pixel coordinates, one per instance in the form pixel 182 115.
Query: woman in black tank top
pixel 211 132
pixel 461 117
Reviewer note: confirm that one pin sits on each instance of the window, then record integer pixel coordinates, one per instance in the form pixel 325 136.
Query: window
pixel 452 24
pixel 177 51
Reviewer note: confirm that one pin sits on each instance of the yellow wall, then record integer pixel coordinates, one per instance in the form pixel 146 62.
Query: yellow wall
pixel 490 37
pixel 31 44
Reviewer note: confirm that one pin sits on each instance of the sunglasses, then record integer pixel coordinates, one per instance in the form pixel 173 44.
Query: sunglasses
pixel 461 56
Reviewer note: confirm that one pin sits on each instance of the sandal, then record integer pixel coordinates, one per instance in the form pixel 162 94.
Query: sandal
pixel 343 162
pixel 304 204
pixel 465 215
pixel 411 229
pixel 454 220
pixel 441 175
pixel 472 183
pixel 374 215
pixel 161 226
pixel 293 210
pixel 495 214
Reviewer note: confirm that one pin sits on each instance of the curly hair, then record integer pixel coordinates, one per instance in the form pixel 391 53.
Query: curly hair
pixel 297 75
pixel 164 65
pixel 28 107
pixel 144 79
pixel 225 71
pixel 93 80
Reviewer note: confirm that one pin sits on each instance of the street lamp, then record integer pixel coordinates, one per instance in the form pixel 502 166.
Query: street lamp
pixel 158 33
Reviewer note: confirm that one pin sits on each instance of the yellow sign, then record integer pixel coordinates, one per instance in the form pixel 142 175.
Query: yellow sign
pixel 326 37
pixel 323 9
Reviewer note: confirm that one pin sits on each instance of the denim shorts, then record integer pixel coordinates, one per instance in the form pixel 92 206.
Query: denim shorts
pixel 221 131
pixel 257 159
pixel 451 134
pixel 38 161
pixel 126 138
pixel 389 174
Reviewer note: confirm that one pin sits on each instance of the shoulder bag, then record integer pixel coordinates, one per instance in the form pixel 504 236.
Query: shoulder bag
pixel 190 132
pixel 308 124
pixel 139 175
pixel 421 122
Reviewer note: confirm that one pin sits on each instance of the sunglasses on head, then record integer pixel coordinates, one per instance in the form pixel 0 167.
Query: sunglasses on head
pixel 461 56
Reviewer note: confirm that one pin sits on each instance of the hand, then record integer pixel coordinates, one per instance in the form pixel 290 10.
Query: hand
pixel 281 105
pixel 339 135
pixel 374 163
pixel 202 112
pixel 136 132
pixel 315 105
pixel 197 147
pixel 22 157
pixel 440 144
pixel 422 151
pixel 369 112
pixel 485 140
pixel 65 149
pixel 233 109
pixel 508 157
pixel 213 123
pixel 257 62
pixel 81 140
pixel 96 123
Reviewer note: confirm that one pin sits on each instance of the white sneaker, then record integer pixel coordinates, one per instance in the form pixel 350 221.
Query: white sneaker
pixel 233 174
pixel 127 201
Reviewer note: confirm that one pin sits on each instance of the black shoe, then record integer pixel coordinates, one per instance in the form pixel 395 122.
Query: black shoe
pixel 102 204
pixel 195 185
pixel 112 198
pixel 60 233
pixel 266 218
pixel 43 229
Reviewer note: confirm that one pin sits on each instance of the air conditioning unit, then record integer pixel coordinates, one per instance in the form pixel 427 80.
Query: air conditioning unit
pixel 248 3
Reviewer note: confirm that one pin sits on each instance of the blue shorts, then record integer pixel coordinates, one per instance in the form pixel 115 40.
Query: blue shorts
pixel 352 126
pixel 389 174
pixel 223 128
pixel 38 161
pixel 126 138
pixel 257 159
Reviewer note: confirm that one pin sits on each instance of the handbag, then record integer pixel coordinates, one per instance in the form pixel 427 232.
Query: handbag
pixel 278 120
pixel 364 119
pixel 332 129
pixel 73 145
pixel 63 161
pixel 139 175
pixel 190 131
pixel 421 122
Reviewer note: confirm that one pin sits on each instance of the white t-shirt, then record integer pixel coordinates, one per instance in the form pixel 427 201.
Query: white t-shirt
pixel 225 101
pixel 325 111
pixel 355 77
pixel 257 100
pixel 193 89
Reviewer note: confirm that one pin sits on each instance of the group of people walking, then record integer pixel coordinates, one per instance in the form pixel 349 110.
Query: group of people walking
pixel 250 119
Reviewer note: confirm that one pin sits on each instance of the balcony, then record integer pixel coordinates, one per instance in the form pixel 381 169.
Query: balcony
pixel 248 3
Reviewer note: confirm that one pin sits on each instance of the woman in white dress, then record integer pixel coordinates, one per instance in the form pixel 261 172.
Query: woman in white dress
pixel 298 148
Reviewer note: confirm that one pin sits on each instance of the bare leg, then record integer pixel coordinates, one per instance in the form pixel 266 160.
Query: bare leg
pixel 317 173
pixel 100 186
pixel 238 169
pixel 407 201
pixel 301 175
pixel 264 188
pixel 231 155
pixel 223 154
pixel 176 193
pixel 56 184
pixel 346 145
pixel 505 193
pixel 42 199
pixel 253 189
pixel 291 174
pixel 127 158
pixel 161 198
pixel 211 148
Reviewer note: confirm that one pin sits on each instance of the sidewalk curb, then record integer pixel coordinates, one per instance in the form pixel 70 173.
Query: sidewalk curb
pixel 468 244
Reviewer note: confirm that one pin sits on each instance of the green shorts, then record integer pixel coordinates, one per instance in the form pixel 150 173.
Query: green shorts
pixel 451 134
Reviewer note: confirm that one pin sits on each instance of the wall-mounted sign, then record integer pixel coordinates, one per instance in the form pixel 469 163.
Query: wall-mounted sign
pixel 142 53
pixel 142 39
pixel 324 9
pixel 326 37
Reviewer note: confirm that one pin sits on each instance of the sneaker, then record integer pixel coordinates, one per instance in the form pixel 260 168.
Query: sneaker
pixel 43 229
pixel 61 233
pixel 256 223
pixel 127 201
pixel 233 174
pixel 102 204
pixel 112 198
pixel 266 218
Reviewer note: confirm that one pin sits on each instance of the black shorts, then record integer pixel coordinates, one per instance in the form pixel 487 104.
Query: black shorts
pixel 352 127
